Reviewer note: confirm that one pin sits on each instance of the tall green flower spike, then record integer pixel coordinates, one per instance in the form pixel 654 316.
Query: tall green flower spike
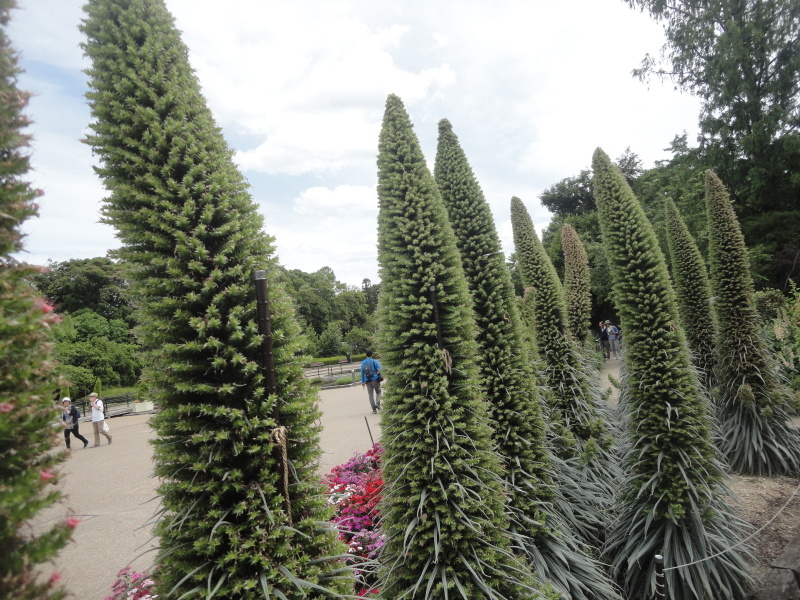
pixel 672 500
pixel 579 418
pixel 509 384
pixel 230 525
pixel 28 463
pixel 443 507
pixel 694 294
pixel 757 437
pixel 577 284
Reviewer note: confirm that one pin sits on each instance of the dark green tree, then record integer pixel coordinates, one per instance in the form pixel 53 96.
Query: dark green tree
pixel 693 292
pixel 443 507
pixel 577 284
pixel 577 408
pixel 741 58
pixel 242 510
pixel 28 465
pixel 96 284
pixel 756 436
pixel 509 384
pixel 671 500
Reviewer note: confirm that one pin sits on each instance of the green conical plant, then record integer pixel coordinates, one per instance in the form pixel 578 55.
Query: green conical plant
pixel 28 464
pixel 508 383
pixel 579 417
pixel 577 284
pixel 242 509
pixel 527 312
pixel 443 514
pixel 672 499
pixel 694 294
pixel 756 436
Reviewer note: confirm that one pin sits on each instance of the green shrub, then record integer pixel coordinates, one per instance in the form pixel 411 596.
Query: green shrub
pixel 28 419
pixel 672 499
pixel 509 385
pixel 756 436
pixel 243 514
pixel 443 505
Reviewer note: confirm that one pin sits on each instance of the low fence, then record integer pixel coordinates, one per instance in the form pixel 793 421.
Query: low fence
pixel 113 406
pixel 319 369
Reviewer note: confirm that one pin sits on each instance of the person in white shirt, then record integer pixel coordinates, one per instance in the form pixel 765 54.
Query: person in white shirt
pixel 98 419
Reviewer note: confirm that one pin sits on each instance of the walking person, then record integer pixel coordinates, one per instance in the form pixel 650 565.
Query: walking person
pixel 613 338
pixel 71 416
pixel 371 378
pixel 605 345
pixel 99 424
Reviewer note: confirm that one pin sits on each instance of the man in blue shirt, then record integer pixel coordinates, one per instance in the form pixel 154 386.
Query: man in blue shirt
pixel 371 377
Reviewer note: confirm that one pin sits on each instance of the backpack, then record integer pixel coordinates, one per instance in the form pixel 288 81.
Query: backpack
pixel 367 368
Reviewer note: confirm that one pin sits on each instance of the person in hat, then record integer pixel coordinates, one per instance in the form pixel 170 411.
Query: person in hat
pixel 71 416
pixel 613 338
pixel 98 419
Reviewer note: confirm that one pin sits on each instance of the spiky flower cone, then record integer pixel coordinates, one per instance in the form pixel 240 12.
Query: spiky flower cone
pixel 671 501
pixel 576 402
pixel 694 294
pixel 193 238
pixel 509 383
pixel 28 465
pixel 443 514
pixel 757 438
pixel 577 284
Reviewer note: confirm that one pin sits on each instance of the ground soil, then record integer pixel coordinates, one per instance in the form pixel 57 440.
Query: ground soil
pixel 772 506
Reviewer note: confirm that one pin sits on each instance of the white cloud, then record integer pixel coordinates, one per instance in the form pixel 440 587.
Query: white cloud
pixel 345 200
pixel 531 88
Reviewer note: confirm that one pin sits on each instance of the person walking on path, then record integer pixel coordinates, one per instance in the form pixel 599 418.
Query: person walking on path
pixel 371 377
pixel 71 416
pixel 98 420
pixel 605 344
pixel 613 338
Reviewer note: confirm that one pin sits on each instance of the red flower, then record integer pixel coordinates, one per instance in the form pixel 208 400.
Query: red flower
pixel 46 475
pixel 6 407
pixel 72 522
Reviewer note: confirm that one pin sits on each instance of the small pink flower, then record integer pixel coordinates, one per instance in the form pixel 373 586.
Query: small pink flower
pixel 46 475
pixel 44 306
pixel 72 522
pixel 55 577
pixel 6 407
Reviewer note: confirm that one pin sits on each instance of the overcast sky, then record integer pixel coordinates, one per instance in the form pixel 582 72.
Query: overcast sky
pixel 531 88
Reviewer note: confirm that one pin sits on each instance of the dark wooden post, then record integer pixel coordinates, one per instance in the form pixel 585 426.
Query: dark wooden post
pixel 280 435
pixel 265 329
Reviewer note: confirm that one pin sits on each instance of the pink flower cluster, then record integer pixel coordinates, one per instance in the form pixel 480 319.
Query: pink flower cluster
pixel 355 490
pixel 132 585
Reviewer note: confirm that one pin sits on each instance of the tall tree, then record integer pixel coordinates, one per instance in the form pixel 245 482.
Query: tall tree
pixel 577 284
pixel 446 528
pixel 80 283
pixel 693 294
pixel 741 58
pixel 27 461
pixel 671 501
pixel 578 412
pixel 756 436
pixel 236 453
pixel 509 383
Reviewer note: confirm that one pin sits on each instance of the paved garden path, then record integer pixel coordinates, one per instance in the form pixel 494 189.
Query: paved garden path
pixel 112 491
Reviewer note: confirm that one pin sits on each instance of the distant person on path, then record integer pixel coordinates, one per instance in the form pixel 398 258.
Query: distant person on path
pixel 71 416
pixel 605 345
pixel 371 377
pixel 613 338
pixel 98 420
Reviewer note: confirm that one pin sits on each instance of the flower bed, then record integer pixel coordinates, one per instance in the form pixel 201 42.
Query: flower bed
pixel 354 489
